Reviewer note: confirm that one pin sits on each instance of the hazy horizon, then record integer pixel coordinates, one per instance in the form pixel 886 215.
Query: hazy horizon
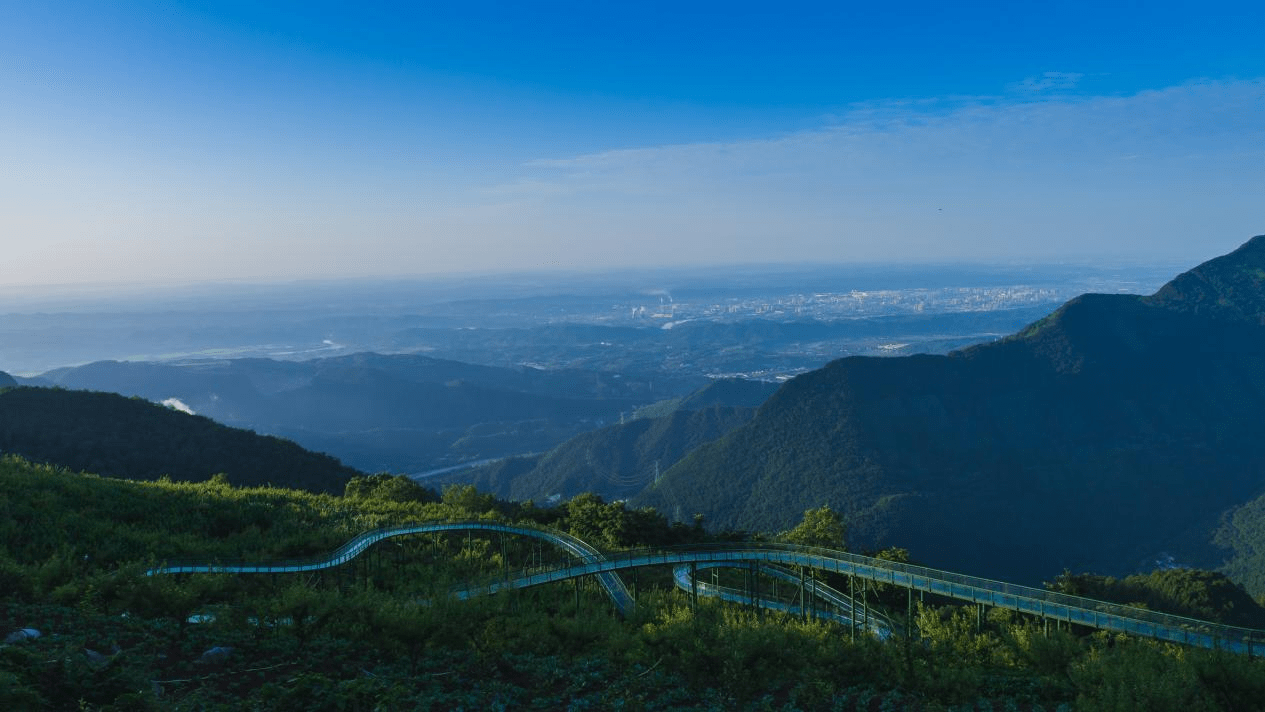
pixel 44 329
pixel 16 298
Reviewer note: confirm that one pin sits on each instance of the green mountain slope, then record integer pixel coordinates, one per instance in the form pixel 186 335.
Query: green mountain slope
pixel 614 462
pixel 618 461
pixel 729 392
pixel 1115 432
pixel 131 438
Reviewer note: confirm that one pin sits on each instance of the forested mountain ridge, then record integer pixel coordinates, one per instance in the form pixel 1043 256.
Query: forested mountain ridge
pixel 614 462
pixel 111 435
pixel 398 412
pixel 1227 287
pixel 1114 432
pixel 729 392
pixel 620 460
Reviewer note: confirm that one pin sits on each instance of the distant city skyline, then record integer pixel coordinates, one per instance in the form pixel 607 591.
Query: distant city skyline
pixel 193 142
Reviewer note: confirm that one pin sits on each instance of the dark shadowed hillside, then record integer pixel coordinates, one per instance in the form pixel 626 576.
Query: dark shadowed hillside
pixel 110 435
pixel 729 392
pixel 614 462
pixel 1114 432
pixel 402 412
pixel 620 460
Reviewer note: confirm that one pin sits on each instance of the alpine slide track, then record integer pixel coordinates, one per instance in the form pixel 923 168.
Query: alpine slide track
pixel 786 562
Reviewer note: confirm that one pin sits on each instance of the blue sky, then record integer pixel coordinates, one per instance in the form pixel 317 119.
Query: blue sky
pixel 185 141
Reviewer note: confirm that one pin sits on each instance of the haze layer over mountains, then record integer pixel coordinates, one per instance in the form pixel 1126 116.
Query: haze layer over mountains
pixel 1116 433
pixel 488 368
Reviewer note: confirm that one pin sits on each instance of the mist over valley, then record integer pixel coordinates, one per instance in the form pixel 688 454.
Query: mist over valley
pixel 494 367
pixel 668 358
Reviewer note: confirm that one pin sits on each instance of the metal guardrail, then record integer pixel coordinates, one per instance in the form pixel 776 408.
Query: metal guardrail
pixel 843 611
pixel 350 550
pixel 735 595
pixel 1024 599
pixel 611 582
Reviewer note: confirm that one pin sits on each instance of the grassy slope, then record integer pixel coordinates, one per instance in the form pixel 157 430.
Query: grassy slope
pixel 362 642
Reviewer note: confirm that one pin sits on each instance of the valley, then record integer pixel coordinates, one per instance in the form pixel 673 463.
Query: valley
pixel 643 357
pixel 424 375
pixel 932 443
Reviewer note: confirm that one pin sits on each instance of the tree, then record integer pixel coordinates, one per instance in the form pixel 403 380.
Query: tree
pixel 308 610
pixel 820 527
pixel 391 488
pixel 595 521
pixel 469 498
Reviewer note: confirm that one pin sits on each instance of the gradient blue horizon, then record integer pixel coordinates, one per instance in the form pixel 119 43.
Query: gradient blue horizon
pixel 230 139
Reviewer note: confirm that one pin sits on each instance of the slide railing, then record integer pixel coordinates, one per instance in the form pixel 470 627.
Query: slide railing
pixel 839 609
pixel 584 560
pixel 611 582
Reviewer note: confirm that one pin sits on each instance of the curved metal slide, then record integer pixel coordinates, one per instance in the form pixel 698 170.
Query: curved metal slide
pixel 588 561
pixel 611 582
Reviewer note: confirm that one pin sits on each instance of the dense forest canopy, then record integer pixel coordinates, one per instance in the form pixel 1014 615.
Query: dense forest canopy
pixel 107 434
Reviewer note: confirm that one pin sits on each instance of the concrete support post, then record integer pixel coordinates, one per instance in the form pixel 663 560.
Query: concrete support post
pixel 693 585
pixel 755 587
pixel 812 594
pixel 865 605
pixel 803 604
pixel 909 612
pixel 852 609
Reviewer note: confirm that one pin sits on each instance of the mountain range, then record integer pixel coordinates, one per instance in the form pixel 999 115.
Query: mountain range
pixel 401 412
pixel 618 461
pixel 1118 433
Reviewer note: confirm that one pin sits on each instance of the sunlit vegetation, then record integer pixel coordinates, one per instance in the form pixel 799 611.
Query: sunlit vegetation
pixel 1193 593
pixel 381 634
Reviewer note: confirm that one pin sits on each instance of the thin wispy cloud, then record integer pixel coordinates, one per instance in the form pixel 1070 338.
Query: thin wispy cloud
pixel 245 141
pixel 1015 174
pixel 1049 81
pixel 1196 119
